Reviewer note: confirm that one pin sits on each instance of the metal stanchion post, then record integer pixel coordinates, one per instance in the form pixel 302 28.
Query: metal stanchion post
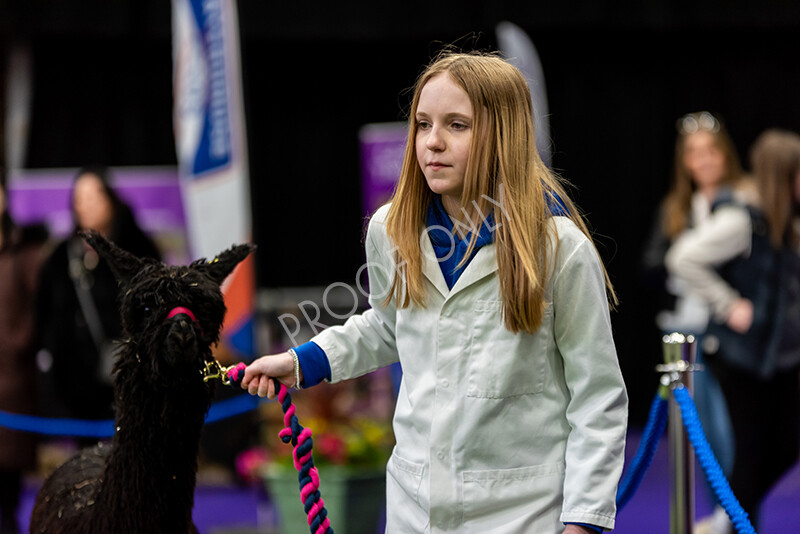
pixel 679 358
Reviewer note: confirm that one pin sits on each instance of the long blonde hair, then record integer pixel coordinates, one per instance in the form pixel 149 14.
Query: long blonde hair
pixel 677 204
pixel 775 162
pixel 503 164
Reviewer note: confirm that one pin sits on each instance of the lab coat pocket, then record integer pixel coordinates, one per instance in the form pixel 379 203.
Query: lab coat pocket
pixel 523 499
pixel 504 364
pixel 408 502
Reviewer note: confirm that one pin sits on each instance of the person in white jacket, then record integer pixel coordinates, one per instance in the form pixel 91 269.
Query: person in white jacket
pixel 486 287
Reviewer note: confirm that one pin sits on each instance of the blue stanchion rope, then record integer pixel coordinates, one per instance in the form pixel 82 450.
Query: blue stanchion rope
pixel 653 430
pixel 711 468
pixel 105 428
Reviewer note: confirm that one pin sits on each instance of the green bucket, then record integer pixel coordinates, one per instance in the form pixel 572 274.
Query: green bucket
pixel 354 498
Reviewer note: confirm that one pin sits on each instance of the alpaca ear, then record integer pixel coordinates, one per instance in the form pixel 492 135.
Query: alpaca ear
pixel 123 264
pixel 220 267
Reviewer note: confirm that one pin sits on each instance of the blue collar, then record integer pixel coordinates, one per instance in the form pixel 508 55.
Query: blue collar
pixel 442 231
pixel 555 204
pixel 449 249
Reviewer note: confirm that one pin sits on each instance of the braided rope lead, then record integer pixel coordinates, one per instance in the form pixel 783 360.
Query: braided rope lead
pixel 714 475
pixel 653 430
pixel 300 438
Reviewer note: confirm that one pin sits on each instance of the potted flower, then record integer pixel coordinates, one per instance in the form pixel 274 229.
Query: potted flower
pixel 353 439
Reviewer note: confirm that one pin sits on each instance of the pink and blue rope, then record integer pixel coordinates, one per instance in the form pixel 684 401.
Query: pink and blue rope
pixel 300 438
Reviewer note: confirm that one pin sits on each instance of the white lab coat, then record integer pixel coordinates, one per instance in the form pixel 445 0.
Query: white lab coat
pixel 496 432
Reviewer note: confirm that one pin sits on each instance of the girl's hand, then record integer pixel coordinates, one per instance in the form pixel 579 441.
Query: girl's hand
pixel 577 529
pixel 257 375
pixel 740 318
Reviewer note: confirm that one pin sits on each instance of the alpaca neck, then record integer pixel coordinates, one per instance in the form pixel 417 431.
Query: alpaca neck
pixel 151 474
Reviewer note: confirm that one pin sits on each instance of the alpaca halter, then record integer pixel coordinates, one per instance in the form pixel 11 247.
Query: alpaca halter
pixel 177 310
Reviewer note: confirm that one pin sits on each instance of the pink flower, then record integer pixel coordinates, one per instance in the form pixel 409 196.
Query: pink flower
pixel 248 462
pixel 331 447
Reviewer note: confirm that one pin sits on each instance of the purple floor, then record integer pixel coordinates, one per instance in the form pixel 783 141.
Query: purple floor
pixel 648 510
pixel 238 510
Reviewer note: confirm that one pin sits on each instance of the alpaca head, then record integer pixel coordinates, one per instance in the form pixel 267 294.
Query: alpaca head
pixel 171 315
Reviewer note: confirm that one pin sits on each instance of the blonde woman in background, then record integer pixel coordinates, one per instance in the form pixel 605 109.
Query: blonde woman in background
pixel 706 165
pixel 744 261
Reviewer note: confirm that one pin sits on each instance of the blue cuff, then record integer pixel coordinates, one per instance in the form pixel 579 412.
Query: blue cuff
pixel 593 527
pixel 314 363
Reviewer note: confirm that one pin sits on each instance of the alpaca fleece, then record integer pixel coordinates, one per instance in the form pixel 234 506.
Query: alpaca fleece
pixel 144 481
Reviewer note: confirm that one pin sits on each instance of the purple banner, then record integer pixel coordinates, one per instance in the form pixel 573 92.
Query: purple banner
pixel 382 147
pixel 154 195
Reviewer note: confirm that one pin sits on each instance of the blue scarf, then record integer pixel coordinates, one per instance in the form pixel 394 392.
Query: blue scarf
pixel 449 249
pixel 446 241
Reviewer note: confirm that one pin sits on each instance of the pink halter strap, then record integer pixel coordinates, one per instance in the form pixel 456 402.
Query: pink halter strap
pixel 180 309
pixel 186 311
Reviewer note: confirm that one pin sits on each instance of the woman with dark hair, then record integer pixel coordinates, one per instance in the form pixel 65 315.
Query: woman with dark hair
pixel 77 317
pixel 20 259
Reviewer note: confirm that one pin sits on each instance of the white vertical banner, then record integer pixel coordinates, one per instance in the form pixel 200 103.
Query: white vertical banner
pixel 209 124
pixel 19 95
pixel 211 144
pixel 518 48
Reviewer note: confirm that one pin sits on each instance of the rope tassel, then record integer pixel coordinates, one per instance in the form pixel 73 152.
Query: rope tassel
pixel 300 438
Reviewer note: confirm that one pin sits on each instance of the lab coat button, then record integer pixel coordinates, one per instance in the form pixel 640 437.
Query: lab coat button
pixel 440 455
pixel 444 383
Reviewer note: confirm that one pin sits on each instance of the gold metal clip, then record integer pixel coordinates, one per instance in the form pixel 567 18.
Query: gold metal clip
pixel 215 370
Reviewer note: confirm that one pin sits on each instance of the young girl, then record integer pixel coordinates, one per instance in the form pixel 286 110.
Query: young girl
pixel 485 286
pixel 744 261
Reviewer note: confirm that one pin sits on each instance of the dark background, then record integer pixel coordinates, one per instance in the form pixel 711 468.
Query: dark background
pixel 617 77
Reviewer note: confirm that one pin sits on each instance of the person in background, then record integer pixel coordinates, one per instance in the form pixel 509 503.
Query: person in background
pixel 744 261
pixel 21 256
pixel 76 306
pixel 705 166
pixel 487 288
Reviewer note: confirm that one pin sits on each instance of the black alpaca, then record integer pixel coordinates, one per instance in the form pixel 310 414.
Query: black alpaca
pixel 144 481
